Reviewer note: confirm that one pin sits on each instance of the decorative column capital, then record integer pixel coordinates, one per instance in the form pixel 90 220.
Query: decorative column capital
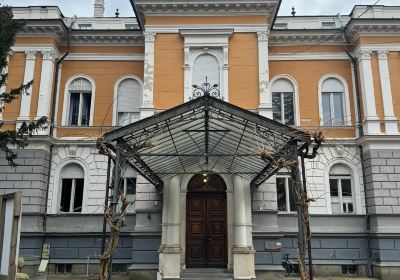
pixel 10 53
pixel 262 35
pixel 30 54
pixel 364 55
pixel 49 55
pixel 382 54
pixel 149 37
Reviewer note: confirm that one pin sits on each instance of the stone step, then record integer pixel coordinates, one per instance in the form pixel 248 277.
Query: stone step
pixel 206 273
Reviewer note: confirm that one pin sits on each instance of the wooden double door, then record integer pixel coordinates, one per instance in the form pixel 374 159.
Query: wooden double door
pixel 206 228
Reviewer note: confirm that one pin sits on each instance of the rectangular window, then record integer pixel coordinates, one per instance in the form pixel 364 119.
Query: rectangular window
pixel 280 26
pixel 341 194
pixel 328 25
pixel 80 104
pixel 62 268
pixel 283 113
pixel 130 192
pixel 286 196
pixel 332 107
pixel 71 195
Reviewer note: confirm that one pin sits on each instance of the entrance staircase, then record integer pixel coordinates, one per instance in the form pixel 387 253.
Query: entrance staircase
pixel 206 273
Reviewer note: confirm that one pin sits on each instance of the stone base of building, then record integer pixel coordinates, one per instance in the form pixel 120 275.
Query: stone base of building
pixel 386 272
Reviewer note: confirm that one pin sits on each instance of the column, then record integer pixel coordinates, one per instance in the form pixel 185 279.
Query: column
pixel 225 74
pixel 371 123
pixel 147 108
pixel 390 119
pixel 46 84
pixel 30 58
pixel 164 229
pixel 172 249
pixel 265 107
pixel 243 252
pixel 5 71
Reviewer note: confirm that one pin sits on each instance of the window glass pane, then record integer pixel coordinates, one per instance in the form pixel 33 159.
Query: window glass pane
pixel 292 196
pixel 78 195
pixel 326 108
pixel 281 194
pixel 346 187
pixel 288 108
pixel 125 118
pixel 350 207
pixel 86 100
pixel 334 187
pixel 206 65
pixel 65 195
pixel 338 108
pixel 74 108
pixel 130 186
pixel 276 105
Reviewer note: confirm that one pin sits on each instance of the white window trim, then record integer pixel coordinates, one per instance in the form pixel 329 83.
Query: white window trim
pixel 346 99
pixel 287 190
pixel 57 186
pixel 296 105
pixel 115 98
pixel 340 191
pixel 67 100
pixel 356 186
pixel 204 41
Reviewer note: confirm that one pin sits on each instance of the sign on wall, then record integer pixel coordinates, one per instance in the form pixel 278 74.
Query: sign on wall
pixel 10 226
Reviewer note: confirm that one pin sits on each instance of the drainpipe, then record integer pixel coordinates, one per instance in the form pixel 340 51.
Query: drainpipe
pixel 53 115
pixel 361 134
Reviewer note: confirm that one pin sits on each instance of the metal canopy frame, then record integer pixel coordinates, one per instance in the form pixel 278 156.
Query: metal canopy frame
pixel 206 135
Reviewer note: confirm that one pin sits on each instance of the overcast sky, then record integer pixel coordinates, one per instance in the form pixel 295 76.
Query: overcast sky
pixel 303 7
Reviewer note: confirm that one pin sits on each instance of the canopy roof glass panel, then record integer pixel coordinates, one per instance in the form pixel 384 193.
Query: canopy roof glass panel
pixel 206 135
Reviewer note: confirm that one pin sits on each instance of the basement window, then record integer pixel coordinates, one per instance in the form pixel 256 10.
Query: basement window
pixel 349 269
pixel 62 268
pixel 280 26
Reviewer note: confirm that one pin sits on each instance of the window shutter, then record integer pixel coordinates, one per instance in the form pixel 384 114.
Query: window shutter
pixel 129 96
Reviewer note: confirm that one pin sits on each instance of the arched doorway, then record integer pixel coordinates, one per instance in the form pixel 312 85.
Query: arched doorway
pixel 206 227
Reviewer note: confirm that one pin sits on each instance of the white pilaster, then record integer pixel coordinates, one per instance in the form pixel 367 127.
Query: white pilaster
pixel 46 84
pixel 265 107
pixel 3 87
pixel 371 123
pixel 171 252
pixel 164 229
pixel 30 58
pixel 243 252
pixel 147 108
pixel 187 91
pixel 391 126
pixel 225 73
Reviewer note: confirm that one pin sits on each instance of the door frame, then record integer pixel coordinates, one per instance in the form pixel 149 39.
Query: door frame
pixel 229 215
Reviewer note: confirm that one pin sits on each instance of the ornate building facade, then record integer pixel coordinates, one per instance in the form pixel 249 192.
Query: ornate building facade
pixel 337 74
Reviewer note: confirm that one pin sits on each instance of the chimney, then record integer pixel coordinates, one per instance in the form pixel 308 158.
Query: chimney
pixel 99 8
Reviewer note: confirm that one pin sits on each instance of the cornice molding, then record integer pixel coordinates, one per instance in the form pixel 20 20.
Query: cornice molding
pixel 307 56
pixel 378 47
pixel 305 37
pixel 237 28
pixel 372 27
pixel 207 7
pixel 104 57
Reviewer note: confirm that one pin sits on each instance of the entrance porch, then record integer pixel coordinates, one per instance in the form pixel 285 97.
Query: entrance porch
pixel 205 157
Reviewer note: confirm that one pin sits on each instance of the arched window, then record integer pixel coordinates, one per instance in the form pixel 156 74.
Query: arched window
pixel 283 101
pixel 206 65
pixel 129 99
pixel 72 183
pixel 340 185
pixel 333 102
pixel 80 102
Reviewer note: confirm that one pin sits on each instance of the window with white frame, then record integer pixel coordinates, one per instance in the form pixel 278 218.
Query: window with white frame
pixel 340 185
pixel 80 101
pixel 285 194
pixel 129 187
pixel 333 102
pixel 72 184
pixel 129 99
pixel 206 65
pixel 283 101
